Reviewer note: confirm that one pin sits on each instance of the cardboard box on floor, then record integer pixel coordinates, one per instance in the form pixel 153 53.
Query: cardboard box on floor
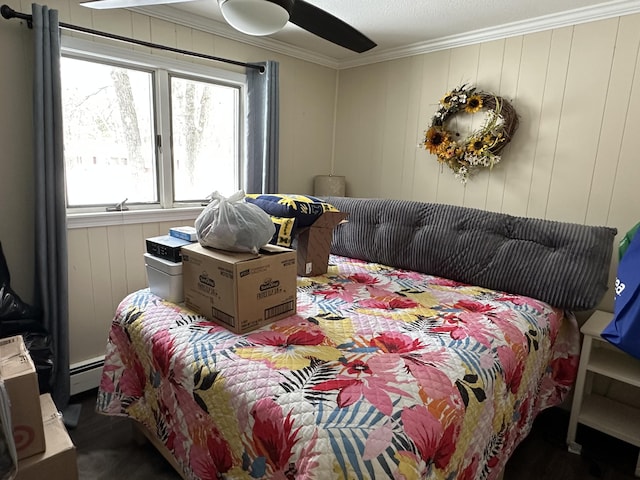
pixel 18 373
pixel 240 291
pixel 314 244
pixel 58 461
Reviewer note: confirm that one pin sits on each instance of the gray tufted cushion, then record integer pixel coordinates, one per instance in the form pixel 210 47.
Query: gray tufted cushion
pixel 563 264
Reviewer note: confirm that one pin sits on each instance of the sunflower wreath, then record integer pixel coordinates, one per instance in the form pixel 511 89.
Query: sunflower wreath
pixel 482 147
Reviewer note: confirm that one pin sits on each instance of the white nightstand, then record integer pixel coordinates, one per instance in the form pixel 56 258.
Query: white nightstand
pixel 606 415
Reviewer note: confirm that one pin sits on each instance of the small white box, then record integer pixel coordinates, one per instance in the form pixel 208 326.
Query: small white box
pixel 165 278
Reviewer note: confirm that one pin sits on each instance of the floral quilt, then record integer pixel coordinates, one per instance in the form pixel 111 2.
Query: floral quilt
pixel 382 373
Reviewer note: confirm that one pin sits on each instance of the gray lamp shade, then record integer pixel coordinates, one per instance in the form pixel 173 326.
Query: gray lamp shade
pixel 329 186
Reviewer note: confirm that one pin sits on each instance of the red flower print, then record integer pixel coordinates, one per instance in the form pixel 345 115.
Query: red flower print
pixel 466 324
pixel 133 380
pixel 395 342
pixel 472 306
pixel 292 351
pixel 208 463
pixel 511 367
pixel 364 278
pixel 452 328
pixel 423 428
pixel 564 370
pixel 273 433
pixel 443 282
pixel 369 383
pixel 388 303
pixel 447 446
pixel 469 473
pixel 277 339
pixel 523 413
pixel 344 291
pixel 358 366
pixel 162 351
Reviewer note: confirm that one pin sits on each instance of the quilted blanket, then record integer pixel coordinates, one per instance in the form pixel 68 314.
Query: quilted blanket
pixel 382 373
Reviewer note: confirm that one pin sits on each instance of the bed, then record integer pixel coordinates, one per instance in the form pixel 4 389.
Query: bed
pixel 426 351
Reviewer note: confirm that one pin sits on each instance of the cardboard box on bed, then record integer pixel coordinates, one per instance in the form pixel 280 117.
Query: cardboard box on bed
pixel 18 373
pixel 240 291
pixel 314 244
pixel 58 461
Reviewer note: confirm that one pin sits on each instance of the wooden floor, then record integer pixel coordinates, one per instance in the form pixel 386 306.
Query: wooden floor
pixel 107 450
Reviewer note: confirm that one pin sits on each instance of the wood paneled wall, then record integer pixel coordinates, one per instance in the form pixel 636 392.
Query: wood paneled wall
pixel 105 265
pixel 574 157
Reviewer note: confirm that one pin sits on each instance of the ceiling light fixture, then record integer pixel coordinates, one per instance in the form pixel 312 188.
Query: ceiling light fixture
pixel 256 17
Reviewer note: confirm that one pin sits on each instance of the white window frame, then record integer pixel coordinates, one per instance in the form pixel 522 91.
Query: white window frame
pixel 163 67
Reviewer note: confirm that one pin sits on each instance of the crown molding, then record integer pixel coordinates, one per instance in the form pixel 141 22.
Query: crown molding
pixel 533 25
pixel 220 29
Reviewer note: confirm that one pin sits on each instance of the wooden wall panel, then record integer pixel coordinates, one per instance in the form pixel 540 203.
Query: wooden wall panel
pixel 86 333
pixel 617 108
pixel 356 131
pixel 462 69
pixel 434 84
pixel 397 101
pixel 105 265
pixel 117 266
pixel 508 88
pixel 582 110
pixel 550 114
pixel 413 126
pixel 519 154
pixel 490 60
pixel 101 283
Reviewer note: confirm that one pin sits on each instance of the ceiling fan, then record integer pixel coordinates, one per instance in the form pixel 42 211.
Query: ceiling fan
pixel 264 17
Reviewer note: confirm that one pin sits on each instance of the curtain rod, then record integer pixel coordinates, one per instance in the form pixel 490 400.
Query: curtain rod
pixel 8 13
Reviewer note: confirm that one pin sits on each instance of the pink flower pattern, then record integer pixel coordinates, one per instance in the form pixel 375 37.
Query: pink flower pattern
pixel 376 371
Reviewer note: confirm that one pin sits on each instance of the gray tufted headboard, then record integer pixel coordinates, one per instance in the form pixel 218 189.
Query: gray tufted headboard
pixel 563 264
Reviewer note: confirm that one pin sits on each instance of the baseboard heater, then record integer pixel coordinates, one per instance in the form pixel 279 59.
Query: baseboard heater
pixel 86 375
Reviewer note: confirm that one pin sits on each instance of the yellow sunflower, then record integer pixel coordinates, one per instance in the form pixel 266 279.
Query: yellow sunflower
pixel 476 145
pixel 436 139
pixel 446 100
pixel 474 104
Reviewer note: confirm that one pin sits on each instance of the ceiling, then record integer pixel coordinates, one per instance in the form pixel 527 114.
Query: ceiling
pixel 404 27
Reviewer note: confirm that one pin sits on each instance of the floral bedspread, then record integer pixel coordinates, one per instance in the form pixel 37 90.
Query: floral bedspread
pixel 382 373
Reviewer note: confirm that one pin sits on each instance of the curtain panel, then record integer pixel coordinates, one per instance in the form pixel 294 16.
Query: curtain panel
pixel 262 129
pixel 51 286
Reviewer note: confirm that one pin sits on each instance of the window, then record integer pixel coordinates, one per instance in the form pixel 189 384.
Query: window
pixel 157 132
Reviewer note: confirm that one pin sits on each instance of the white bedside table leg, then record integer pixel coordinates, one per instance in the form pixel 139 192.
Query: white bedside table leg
pixel 577 396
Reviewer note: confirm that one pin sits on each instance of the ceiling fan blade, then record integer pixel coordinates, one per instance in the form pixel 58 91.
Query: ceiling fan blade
pixel 323 24
pixel 107 4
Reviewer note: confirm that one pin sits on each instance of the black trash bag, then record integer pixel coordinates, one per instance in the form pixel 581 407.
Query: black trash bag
pixel 20 318
pixel 11 305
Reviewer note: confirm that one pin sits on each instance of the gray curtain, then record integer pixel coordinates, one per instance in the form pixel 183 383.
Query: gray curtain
pixel 263 129
pixel 51 287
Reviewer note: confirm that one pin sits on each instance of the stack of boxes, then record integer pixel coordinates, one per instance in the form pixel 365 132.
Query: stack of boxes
pixel 241 291
pixel 163 262
pixel 42 444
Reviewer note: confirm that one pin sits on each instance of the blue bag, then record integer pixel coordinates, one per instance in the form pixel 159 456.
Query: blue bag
pixel 624 330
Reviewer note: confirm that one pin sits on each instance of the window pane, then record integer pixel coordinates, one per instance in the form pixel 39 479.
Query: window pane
pixel 204 130
pixel 108 134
